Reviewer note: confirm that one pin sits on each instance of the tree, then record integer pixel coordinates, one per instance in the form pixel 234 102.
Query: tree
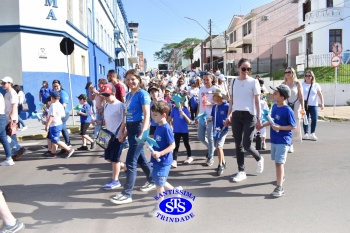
pixel 188 54
pixel 165 53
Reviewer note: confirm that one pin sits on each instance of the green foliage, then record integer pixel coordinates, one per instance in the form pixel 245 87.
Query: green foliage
pixel 348 102
pixel 188 54
pixel 165 53
pixel 323 74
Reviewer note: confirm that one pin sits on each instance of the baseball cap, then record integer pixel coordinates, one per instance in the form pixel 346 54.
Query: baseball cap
pixel 283 89
pixel 153 88
pixel 106 90
pixel 55 94
pixel 222 77
pixel 82 97
pixel 221 93
pixel 7 79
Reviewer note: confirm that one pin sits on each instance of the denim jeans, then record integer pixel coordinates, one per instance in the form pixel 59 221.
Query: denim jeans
pixel 97 127
pixel 243 125
pixel 205 135
pixel 312 112
pixel 64 129
pixel 3 137
pixel 20 122
pixel 135 156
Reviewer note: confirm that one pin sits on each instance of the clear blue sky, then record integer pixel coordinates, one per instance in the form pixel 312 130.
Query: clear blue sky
pixel 163 21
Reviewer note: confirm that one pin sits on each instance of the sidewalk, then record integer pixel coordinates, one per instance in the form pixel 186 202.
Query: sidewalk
pixel 36 129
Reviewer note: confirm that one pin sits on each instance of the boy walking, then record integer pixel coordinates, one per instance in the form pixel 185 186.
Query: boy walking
pixel 280 133
pixel 54 126
pixel 85 121
pixel 163 155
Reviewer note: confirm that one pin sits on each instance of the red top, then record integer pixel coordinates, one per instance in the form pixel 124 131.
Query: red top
pixel 119 92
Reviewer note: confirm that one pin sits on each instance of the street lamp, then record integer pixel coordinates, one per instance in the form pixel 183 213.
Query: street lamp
pixel 211 47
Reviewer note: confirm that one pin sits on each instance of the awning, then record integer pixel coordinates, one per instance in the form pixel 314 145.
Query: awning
pixel 133 60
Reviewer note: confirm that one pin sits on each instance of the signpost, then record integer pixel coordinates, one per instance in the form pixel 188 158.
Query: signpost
pixel 337 49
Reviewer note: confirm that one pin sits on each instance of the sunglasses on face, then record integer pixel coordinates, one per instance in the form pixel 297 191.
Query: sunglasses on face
pixel 3 83
pixel 246 69
pixel 308 75
pixel 288 72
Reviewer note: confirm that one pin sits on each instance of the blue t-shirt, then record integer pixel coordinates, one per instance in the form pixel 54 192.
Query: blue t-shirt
pixel 45 93
pixel 134 104
pixel 221 115
pixel 163 136
pixel 86 109
pixel 180 123
pixel 282 116
pixel 64 99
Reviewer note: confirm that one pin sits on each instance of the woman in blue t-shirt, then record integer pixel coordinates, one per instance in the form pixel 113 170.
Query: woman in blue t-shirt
pixel 137 113
pixel 64 100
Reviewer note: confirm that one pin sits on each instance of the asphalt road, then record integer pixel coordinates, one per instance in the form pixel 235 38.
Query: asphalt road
pixel 64 195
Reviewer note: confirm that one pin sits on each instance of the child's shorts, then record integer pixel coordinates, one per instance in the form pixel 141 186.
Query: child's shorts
pixel 114 150
pixel 160 174
pixel 54 133
pixel 279 153
pixel 219 143
pixel 83 128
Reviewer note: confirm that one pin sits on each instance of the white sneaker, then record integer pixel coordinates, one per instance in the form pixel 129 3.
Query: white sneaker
pixel 153 213
pixel 239 177
pixel 260 166
pixel 147 187
pixel 120 199
pixel 291 149
pixel 306 137
pixel 174 164
pixel 24 128
pixel 188 160
pixel 313 137
pixel 7 162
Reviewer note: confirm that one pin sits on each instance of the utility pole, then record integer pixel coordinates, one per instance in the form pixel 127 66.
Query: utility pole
pixel 225 63
pixel 211 46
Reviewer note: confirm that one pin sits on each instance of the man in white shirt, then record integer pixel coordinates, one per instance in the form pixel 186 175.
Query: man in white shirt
pixel 11 103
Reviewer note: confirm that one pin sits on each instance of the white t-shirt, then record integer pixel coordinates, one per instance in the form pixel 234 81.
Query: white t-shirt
pixel 244 92
pixel 57 111
pixel 113 116
pixel 205 94
pixel 21 97
pixel 313 97
pixel 193 91
pixel 2 104
pixel 11 98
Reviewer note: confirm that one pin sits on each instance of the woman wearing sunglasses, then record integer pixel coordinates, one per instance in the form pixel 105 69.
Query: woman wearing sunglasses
pixel 64 100
pixel 295 101
pixel 312 92
pixel 244 109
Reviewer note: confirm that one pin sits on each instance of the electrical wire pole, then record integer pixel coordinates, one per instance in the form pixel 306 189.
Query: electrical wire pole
pixel 211 46
pixel 225 63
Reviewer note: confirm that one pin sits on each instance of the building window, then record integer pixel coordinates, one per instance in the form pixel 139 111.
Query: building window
pixel 335 35
pixel 231 38
pixel 306 8
pixel 234 35
pixel 97 29
pixel 101 36
pixel 329 3
pixel 70 10
pixel 89 23
pixel 247 28
pixel 100 69
pixel 82 14
pixel 247 48
pixel 309 42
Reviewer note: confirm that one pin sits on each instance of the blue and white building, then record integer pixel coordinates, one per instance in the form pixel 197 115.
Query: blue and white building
pixel 30 36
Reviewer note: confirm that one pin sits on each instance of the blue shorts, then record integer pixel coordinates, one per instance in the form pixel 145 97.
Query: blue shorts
pixel 219 143
pixel 160 174
pixel 54 133
pixel 114 150
pixel 279 153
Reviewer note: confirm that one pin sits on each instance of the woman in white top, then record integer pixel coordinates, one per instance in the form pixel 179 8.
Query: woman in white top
pixel 312 92
pixel 295 101
pixel 21 100
pixel 244 109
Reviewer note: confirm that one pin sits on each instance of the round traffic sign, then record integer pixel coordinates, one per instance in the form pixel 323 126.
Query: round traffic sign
pixel 335 61
pixel 337 48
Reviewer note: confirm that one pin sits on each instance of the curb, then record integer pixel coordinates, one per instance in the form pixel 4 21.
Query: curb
pixel 43 135
pixel 331 118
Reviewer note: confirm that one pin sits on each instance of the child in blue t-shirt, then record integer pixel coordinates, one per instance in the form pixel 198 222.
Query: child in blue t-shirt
pixel 281 133
pixel 162 155
pixel 85 114
pixel 218 116
pixel 154 92
pixel 180 118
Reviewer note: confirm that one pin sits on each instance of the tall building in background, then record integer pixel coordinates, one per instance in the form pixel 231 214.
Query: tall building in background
pixel 141 61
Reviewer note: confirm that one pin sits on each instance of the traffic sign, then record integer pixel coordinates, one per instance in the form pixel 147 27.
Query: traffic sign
pixel 337 48
pixel 67 46
pixel 335 61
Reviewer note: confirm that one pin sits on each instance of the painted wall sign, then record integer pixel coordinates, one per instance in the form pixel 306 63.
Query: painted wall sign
pixel 53 4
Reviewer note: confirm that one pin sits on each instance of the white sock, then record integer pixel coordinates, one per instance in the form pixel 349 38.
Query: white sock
pixel 11 223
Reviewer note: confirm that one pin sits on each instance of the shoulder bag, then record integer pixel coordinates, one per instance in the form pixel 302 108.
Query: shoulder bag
pixel 305 101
